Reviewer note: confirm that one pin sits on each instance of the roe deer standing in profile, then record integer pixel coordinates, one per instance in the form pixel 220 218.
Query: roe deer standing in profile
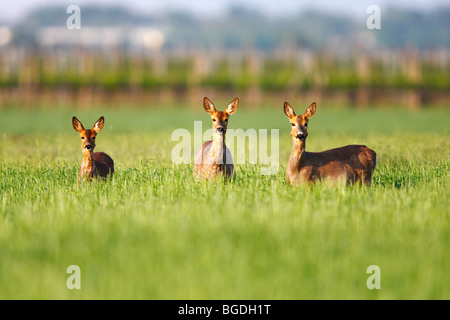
pixel 214 158
pixel 94 164
pixel 353 163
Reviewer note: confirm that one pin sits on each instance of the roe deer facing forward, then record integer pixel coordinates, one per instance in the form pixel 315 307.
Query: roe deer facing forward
pixel 214 158
pixel 94 164
pixel 353 163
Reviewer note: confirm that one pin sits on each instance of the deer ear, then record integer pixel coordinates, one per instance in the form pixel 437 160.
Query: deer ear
pixel 310 111
pixel 232 107
pixel 209 106
pixel 288 110
pixel 77 124
pixel 98 125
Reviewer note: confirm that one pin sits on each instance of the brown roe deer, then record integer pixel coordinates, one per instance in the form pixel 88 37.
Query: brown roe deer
pixel 352 163
pixel 214 158
pixel 94 164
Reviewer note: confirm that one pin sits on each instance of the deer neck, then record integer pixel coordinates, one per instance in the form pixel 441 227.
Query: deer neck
pixel 297 156
pixel 218 150
pixel 88 164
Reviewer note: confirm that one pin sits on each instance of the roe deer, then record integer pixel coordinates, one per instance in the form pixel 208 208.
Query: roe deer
pixel 214 158
pixel 353 163
pixel 94 164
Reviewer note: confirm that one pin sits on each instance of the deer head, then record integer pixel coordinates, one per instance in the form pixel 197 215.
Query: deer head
pixel 88 136
pixel 220 118
pixel 299 124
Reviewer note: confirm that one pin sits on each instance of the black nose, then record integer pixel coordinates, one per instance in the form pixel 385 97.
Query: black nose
pixel 301 136
pixel 88 147
pixel 220 129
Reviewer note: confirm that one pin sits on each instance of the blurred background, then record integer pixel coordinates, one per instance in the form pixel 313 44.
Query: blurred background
pixel 146 53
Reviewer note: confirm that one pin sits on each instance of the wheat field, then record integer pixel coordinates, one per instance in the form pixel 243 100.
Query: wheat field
pixel 153 232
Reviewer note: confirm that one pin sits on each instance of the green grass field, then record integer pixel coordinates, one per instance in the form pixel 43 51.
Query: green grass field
pixel 153 232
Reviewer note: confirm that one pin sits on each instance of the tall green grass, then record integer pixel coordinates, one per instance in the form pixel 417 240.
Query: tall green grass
pixel 153 232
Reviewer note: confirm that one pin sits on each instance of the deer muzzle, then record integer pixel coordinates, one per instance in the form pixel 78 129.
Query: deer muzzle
pixel 302 135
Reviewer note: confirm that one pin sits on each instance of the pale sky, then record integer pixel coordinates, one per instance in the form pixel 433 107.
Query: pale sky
pixel 11 10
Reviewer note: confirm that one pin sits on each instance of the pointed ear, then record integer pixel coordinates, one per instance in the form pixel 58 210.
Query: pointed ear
pixel 77 124
pixel 288 110
pixel 232 107
pixel 208 105
pixel 310 111
pixel 98 125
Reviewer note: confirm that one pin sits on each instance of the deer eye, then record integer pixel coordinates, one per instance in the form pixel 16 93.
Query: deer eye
pixel 214 120
pixel 82 138
pixel 306 124
pixel 93 138
pixel 226 120
pixel 293 124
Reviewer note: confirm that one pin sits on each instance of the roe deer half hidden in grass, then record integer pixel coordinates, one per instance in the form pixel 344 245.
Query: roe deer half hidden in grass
pixel 94 164
pixel 214 158
pixel 353 163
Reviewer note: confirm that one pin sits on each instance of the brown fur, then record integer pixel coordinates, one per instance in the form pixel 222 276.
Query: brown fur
pixel 352 163
pixel 214 159
pixel 97 164
pixel 209 168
